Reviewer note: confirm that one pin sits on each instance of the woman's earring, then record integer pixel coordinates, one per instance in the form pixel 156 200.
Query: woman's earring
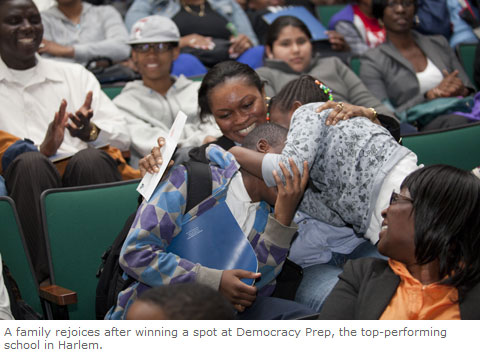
pixel 380 23
pixel 416 20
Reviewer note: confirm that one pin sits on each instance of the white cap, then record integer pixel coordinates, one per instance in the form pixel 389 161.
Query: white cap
pixel 153 29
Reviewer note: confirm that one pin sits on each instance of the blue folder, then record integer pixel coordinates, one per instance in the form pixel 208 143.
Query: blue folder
pixel 214 239
pixel 316 28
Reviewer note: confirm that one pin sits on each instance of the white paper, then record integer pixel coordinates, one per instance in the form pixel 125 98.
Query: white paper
pixel 150 181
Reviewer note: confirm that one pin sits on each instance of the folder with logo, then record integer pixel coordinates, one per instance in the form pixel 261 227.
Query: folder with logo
pixel 214 239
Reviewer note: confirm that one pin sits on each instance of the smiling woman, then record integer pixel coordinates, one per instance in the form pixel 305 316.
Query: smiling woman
pixel 431 234
pixel 233 93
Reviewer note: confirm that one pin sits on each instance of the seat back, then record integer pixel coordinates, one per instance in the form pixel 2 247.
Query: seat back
pixel 466 53
pixel 112 91
pixel 80 223
pixel 355 64
pixel 325 12
pixel 15 253
pixel 459 147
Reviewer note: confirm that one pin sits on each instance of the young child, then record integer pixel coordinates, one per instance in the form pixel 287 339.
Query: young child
pixel 354 166
pixel 181 301
pixel 160 220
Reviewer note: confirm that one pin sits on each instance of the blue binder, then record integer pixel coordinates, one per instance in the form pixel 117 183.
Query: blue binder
pixel 316 28
pixel 214 239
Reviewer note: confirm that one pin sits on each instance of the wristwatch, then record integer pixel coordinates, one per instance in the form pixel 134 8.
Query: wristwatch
pixel 93 133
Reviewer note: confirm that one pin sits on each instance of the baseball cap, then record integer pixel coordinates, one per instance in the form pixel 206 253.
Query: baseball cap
pixel 152 29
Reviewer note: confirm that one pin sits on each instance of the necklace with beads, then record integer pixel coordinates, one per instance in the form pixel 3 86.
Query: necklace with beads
pixel 200 13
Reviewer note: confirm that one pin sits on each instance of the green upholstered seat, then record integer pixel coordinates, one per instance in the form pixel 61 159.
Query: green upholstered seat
pixel 458 147
pixel 15 254
pixel 325 12
pixel 466 53
pixel 80 224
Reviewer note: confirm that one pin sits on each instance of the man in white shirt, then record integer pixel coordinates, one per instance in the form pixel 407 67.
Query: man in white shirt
pixel 61 109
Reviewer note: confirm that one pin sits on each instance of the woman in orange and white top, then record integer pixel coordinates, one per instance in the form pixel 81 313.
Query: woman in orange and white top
pixel 431 234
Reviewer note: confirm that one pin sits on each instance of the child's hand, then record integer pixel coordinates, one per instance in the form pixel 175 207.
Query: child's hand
pixel 151 162
pixel 236 291
pixel 290 194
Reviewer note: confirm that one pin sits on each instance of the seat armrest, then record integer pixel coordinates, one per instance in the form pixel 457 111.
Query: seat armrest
pixel 58 295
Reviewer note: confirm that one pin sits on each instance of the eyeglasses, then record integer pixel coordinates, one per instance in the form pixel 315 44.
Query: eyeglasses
pixel 156 47
pixel 404 3
pixel 396 197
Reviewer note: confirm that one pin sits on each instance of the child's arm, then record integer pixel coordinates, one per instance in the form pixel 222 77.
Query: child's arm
pixel 158 221
pixel 273 245
pixel 303 143
pixel 248 159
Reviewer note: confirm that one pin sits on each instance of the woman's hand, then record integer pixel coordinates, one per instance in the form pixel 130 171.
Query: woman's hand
pixel 342 111
pixel 450 86
pixel 290 194
pixel 240 44
pixel 197 41
pixel 55 49
pixel 237 292
pixel 337 41
pixel 151 162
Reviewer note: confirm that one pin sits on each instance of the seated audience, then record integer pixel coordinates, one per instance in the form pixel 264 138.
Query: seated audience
pixel 213 31
pixel 289 54
pixel 410 68
pixel 192 301
pixel 358 27
pixel 144 254
pixel 354 166
pixel 151 104
pixel 462 30
pixel 54 108
pixel 431 234
pixel 5 312
pixel 77 31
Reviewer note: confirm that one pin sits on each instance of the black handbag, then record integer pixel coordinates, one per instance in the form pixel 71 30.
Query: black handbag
pixel 108 72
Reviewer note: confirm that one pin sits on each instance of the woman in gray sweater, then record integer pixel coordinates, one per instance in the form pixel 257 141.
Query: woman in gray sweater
pixel 289 54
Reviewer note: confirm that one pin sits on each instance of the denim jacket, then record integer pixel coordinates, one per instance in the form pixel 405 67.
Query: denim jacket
pixel 227 8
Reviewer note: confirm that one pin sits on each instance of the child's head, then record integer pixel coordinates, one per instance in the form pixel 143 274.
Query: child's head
pixel 183 301
pixel 303 90
pixel 266 138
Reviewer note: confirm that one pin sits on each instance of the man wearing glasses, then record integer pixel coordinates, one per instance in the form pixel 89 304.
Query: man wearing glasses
pixel 151 104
